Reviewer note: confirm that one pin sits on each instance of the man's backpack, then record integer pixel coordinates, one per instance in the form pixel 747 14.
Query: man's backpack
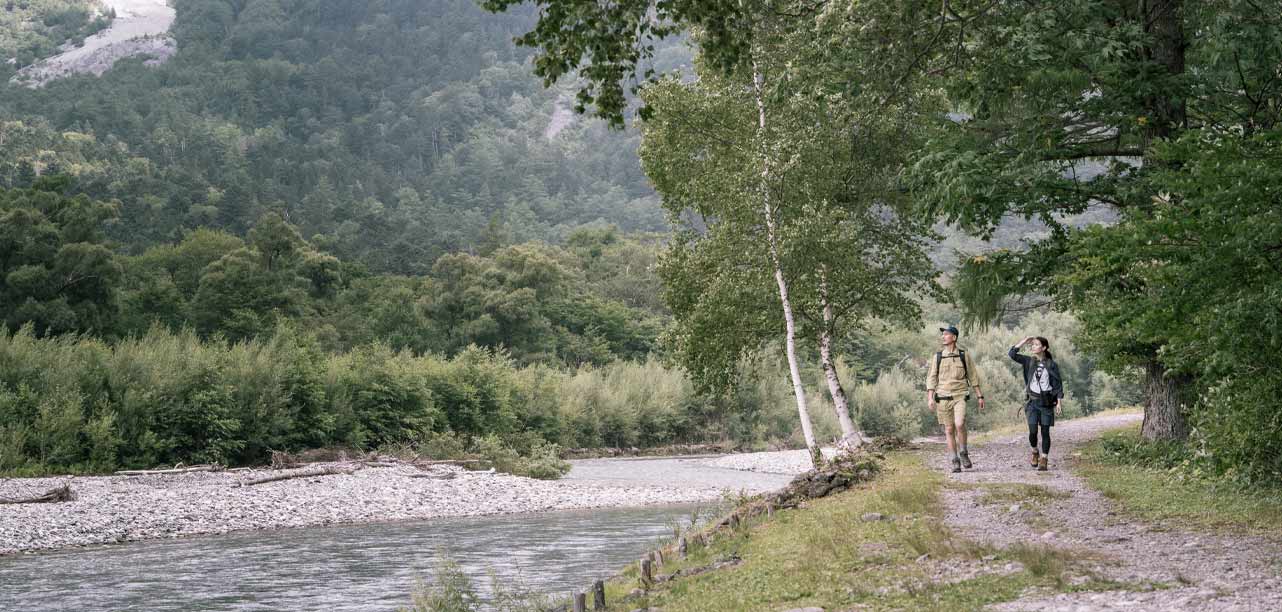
pixel 961 354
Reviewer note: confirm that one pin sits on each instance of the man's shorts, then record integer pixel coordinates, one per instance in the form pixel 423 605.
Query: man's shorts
pixel 951 411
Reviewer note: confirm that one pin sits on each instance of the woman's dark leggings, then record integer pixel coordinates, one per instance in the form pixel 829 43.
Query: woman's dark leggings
pixel 1046 437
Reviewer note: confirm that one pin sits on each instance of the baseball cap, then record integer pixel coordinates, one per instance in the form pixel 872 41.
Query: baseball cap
pixel 952 329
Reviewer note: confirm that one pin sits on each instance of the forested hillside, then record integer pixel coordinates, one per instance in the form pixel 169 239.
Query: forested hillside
pixel 390 132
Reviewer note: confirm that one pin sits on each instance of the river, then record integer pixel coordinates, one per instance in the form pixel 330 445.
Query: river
pixel 365 568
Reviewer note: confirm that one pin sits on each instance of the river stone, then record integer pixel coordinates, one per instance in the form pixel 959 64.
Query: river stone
pixel 869 517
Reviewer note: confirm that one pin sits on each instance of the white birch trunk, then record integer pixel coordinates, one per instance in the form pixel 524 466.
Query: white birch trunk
pixel 850 434
pixel 772 239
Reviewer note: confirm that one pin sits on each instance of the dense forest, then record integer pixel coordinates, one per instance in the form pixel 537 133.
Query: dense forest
pixel 389 132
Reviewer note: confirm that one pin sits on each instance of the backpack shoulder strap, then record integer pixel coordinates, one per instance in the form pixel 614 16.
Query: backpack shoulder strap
pixel 939 357
pixel 965 370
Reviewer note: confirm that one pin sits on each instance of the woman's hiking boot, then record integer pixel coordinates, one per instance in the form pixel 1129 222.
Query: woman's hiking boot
pixel 965 460
pixel 1033 462
pixel 956 464
pixel 1041 464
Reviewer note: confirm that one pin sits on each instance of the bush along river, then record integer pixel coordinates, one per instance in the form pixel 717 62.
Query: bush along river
pixel 367 566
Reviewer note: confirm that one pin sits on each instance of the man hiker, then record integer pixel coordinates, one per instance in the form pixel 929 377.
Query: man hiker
pixel 949 383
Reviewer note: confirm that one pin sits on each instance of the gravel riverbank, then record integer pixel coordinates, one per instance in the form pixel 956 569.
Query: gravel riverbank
pixel 111 509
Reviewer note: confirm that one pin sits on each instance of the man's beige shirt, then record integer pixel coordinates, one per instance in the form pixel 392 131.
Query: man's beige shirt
pixel 950 379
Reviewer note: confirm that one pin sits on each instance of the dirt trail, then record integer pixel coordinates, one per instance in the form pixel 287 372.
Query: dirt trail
pixel 1193 570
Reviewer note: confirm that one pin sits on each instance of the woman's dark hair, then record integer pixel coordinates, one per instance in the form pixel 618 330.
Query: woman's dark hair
pixel 1046 348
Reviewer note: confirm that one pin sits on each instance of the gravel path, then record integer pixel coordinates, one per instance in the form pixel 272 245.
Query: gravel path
pixel 1201 571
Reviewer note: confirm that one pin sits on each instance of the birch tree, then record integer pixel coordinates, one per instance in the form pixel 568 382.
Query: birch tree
pixel 755 159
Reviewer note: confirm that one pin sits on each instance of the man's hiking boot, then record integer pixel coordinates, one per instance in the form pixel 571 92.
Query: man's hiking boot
pixel 956 464
pixel 1041 464
pixel 1033 462
pixel 965 460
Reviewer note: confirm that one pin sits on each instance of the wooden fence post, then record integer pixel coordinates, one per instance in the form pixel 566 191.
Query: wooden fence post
pixel 647 574
pixel 598 595
pixel 682 547
pixel 580 602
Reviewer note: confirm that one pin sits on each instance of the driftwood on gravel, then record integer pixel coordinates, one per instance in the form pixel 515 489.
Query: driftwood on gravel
pixel 326 471
pixel 60 494
pixel 176 470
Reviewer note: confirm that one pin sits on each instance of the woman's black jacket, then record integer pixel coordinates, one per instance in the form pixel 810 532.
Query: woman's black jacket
pixel 1030 366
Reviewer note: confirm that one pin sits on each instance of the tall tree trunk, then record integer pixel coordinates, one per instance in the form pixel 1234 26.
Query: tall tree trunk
pixel 850 434
pixel 772 238
pixel 1163 21
pixel 1164 400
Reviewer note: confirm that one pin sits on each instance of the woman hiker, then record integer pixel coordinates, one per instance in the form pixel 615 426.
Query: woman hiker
pixel 1045 390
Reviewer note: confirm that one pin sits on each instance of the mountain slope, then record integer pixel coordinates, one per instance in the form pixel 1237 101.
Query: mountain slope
pixel 390 131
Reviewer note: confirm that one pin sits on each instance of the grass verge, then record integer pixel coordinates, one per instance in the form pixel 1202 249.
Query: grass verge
pixel 1119 465
pixel 827 555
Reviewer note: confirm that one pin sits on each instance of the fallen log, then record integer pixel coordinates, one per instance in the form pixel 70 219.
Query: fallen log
pixel 327 471
pixel 441 476
pixel 60 494
pixel 194 468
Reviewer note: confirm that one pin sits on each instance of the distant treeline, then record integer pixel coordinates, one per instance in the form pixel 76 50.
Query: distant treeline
pixel 592 301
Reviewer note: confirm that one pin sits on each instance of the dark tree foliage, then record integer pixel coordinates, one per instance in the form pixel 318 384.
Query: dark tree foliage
pixel 56 272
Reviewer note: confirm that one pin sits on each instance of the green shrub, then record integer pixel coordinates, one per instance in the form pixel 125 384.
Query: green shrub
pixel 1237 430
pixel 386 397
pixel 13 448
pixel 201 421
pixel 451 590
pixel 103 439
pixel 441 445
pixel 57 428
pixel 541 462
pixel 497 453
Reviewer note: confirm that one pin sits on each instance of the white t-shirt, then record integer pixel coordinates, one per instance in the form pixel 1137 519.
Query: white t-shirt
pixel 1041 382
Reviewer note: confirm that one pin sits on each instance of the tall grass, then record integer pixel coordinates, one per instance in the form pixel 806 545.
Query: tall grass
pixel 81 405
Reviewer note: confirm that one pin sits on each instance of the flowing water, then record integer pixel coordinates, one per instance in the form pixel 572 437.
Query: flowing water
pixel 365 568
